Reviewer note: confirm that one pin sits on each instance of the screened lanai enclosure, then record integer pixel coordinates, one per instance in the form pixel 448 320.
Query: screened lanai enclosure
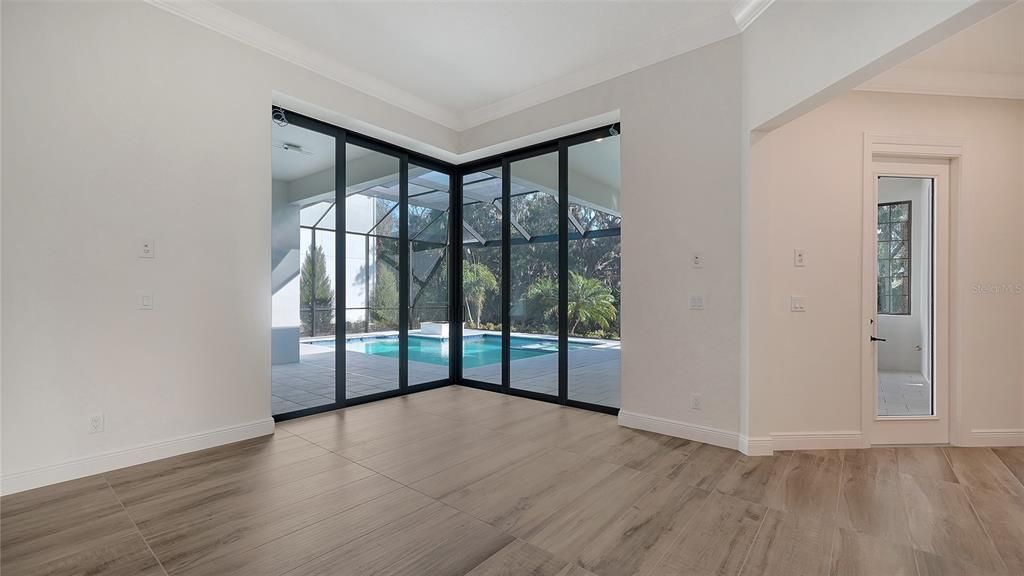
pixel 504 274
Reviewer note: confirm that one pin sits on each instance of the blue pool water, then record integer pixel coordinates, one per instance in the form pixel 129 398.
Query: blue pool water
pixel 476 350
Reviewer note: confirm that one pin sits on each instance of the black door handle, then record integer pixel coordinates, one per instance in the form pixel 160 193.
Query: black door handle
pixel 873 339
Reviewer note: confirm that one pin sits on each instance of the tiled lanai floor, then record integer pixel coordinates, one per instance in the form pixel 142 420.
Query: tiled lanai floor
pixel 457 481
pixel 593 376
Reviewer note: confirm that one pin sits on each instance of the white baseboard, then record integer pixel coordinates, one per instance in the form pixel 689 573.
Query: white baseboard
pixel 994 437
pixel 698 432
pixel 767 445
pixel 817 440
pixel 756 445
pixel 105 462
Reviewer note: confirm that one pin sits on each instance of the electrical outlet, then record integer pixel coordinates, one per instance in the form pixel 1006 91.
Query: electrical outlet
pixel 96 423
pixel 696 403
pixel 799 258
pixel 697 260
pixel 147 249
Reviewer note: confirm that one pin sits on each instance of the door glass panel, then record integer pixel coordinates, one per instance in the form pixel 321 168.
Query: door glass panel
pixel 371 272
pixel 595 272
pixel 904 297
pixel 533 305
pixel 481 276
pixel 303 318
pixel 428 216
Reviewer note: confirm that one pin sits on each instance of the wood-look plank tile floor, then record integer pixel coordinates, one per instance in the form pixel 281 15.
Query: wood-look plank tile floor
pixel 459 481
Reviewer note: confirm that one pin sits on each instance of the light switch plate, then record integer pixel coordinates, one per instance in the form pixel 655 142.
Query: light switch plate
pixel 697 260
pixel 799 258
pixel 146 302
pixel 147 249
pixel 797 304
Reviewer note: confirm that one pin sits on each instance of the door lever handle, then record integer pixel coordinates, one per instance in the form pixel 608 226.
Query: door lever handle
pixel 873 339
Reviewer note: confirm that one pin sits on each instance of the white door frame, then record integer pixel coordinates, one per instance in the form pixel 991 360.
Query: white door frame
pixel 944 426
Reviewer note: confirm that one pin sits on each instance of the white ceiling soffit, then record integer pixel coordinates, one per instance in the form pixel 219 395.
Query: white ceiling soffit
pixel 985 61
pixel 710 21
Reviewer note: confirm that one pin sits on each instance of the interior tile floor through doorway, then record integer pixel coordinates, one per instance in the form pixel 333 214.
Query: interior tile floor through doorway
pixel 904 394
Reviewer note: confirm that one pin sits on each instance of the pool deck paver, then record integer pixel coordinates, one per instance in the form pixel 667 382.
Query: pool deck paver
pixel 593 376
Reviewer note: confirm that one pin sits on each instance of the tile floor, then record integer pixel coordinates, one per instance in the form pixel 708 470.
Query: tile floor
pixel 904 394
pixel 457 481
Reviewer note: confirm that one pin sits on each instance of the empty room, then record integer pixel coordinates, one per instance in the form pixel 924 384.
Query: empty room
pixel 484 288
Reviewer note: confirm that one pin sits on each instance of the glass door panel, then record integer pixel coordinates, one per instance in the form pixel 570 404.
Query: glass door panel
pixel 303 284
pixel 595 273
pixel 533 302
pixel 482 276
pixel 429 239
pixel 372 270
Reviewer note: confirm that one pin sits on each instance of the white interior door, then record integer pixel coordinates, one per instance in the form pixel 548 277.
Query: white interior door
pixel 906 292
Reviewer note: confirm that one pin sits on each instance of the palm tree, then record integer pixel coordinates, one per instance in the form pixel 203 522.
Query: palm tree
pixel 590 301
pixel 477 283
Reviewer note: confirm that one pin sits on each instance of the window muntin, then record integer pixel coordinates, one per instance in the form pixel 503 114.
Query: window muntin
pixel 894 265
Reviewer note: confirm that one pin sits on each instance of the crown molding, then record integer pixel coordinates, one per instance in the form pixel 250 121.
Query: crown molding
pixel 218 19
pixel 744 12
pixel 909 80
pixel 686 39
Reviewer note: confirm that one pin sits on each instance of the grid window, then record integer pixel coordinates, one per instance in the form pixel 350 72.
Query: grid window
pixel 894 233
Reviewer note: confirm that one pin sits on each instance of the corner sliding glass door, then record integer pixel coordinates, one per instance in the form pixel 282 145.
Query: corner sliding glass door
pixel 361 312
pixel 392 272
pixel 541 272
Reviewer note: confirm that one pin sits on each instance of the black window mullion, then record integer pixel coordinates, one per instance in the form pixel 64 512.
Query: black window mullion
pixel 506 274
pixel 455 276
pixel 563 272
pixel 403 272
pixel 340 285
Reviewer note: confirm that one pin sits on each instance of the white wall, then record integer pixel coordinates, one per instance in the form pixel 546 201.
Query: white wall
pixel 807 190
pixel 123 122
pixel 905 348
pixel 680 193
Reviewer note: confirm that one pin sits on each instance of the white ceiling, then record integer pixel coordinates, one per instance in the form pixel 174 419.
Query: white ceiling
pixel 465 63
pixel 985 60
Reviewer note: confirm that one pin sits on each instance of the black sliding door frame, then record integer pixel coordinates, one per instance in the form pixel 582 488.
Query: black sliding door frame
pixel 455 256
pixel 342 138
pixel 561 146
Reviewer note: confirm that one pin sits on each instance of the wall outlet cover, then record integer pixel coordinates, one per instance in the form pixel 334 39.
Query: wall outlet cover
pixel 147 249
pixel 797 304
pixel 696 402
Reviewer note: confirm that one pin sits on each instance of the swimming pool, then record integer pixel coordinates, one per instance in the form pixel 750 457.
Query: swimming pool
pixel 479 350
